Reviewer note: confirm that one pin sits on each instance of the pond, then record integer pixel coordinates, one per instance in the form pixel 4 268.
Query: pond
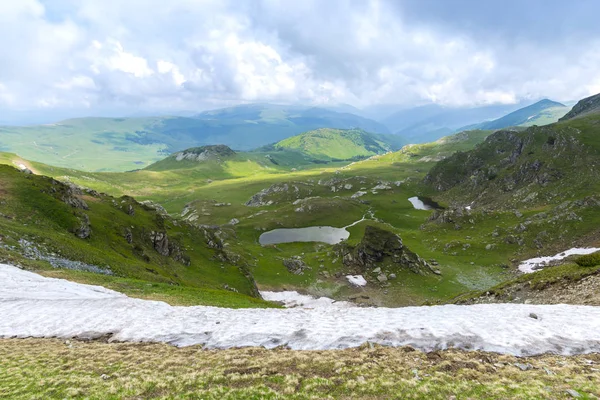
pixel 424 203
pixel 325 234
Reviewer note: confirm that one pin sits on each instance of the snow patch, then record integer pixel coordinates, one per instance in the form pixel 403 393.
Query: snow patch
pixel 418 204
pixel 293 299
pixel 34 306
pixel 357 280
pixel 534 264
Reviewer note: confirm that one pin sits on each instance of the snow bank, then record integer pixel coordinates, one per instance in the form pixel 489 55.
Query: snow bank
pixel 292 299
pixel 34 306
pixel 357 280
pixel 418 204
pixel 534 264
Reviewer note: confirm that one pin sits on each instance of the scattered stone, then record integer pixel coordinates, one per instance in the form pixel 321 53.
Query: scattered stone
pixel 573 393
pixel 524 367
pixel 234 221
pixel 358 194
pixel 533 315
pixel 295 265
pixel 129 236
pixel 382 278
pixel 392 276
pixel 31 251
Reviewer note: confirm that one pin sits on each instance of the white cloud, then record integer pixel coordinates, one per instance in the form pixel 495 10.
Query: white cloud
pixel 112 56
pixel 189 54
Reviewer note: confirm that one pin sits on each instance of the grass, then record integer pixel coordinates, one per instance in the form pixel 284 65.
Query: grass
pixel 174 295
pixel 590 260
pixel 539 280
pixel 32 208
pixel 56 369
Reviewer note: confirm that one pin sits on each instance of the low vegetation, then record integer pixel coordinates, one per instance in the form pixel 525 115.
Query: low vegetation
pixel 589 260
pixel 55 369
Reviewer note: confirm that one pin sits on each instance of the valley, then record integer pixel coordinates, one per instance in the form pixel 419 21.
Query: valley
pixel 469 242
pixel 314 243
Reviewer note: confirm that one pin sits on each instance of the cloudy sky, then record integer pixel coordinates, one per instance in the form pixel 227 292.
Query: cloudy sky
pixel 114 56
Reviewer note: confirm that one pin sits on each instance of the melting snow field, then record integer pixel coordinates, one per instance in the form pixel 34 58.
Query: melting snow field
pixel 34 306
pixel 534 264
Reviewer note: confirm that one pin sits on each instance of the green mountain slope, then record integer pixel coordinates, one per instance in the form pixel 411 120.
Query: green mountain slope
pixel 335 144
pixel 538 187
pixel 45 223
pixel 119 144
pixel 583 107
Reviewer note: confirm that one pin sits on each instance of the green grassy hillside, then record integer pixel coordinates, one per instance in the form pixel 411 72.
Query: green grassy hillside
pixel 335 144
pixel 531 191
pixel 45 224
pixel 586 106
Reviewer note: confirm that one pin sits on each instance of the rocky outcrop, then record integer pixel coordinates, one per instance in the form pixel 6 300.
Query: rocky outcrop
pixel 214 152
pixel 85 230
pixel 280 192
pixel 380 248
pixel 168 248
pixel 150 205
pixel 160 242
pixel 295 265
pixel 71 197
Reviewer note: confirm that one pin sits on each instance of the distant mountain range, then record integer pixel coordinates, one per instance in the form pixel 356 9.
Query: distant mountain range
pixel 118 144
pixel 430 122
pixel 541 113
pixel 427 123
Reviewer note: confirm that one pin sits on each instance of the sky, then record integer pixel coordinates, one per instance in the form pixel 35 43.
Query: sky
pixel 93 57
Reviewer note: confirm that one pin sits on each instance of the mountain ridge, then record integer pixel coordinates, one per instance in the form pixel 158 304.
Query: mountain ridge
pixel 585 106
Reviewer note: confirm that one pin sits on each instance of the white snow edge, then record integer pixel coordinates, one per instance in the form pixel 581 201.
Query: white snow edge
pixel 35 306
pixel 534 264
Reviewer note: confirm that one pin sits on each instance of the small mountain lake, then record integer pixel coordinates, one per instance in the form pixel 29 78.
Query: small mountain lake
pixel 424 203
pixel 325 234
